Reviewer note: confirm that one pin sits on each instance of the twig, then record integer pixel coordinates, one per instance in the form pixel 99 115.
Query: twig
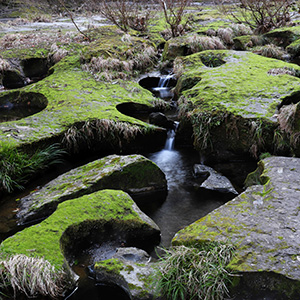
pixel 71 17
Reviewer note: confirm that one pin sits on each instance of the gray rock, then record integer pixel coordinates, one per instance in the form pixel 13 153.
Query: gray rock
pixel 129 268
pixel 133 174
pixel 213 180
pixel 263 224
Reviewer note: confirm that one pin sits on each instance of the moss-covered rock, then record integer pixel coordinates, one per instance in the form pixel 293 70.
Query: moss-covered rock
pixel 283 36
pixel 133 174
pixel 233 104
pixel 129 268
pixel 101 217
pixel 294 48
pixel 263 225
pixel 74 96
pixel 242 42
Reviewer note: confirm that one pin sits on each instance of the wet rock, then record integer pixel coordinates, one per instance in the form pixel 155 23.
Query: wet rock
pixel 134 174
pixel 213 180
pixel 233 109
pixel 264 226
pixel 129 268
pixel 159 119
pixel 106 216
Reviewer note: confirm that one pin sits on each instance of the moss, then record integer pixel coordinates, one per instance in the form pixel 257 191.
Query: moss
pixel 239 95
pixel 44 239
pixel 114 266
pixel 242 42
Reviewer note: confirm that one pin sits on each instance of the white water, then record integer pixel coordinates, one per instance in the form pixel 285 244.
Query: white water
pixel 164 81
pixel 169 145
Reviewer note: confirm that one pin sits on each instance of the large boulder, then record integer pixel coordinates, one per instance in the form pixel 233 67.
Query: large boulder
pixel 235 105
pixel 134 174
pixel 263 225
pixel 109 219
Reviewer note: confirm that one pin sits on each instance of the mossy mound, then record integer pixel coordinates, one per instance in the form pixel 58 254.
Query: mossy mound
pixel 75 221
pixel 263 225
pixel 75 96
pixel 283 36
pixel 231 99
pixel 133 174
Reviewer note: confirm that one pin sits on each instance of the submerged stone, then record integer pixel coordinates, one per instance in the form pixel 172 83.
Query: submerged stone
pixel 134 174
pixel 101 217
pixel 263 224
pixel 213 180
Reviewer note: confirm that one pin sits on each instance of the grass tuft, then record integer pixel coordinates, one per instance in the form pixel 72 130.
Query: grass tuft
pixel 99 131
pixel 200 43
pixel 270 50
pixel 137 61
pixel 195 273
pixel 18 167
pixel 33 277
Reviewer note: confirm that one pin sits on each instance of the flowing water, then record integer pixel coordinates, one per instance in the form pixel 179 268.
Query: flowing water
pixel 185 202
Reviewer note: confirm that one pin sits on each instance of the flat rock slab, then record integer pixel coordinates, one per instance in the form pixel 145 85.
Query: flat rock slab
pixel 263 224
pixel 134 174
pixel 214 181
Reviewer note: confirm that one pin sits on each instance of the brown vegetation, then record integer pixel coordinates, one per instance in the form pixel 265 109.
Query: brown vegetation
pixel 260 15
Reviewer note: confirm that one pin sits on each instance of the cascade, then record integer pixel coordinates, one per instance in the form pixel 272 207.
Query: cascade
pixel 164 81
pixel 169 145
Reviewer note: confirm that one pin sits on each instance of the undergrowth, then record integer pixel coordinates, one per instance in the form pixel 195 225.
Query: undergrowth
pixel 195 272
pixel 17 167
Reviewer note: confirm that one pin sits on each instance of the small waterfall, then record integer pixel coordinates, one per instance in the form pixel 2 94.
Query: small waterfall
pixel 164 81
pixel 169 145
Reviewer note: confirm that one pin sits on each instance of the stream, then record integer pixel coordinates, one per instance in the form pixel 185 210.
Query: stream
pixel 185 203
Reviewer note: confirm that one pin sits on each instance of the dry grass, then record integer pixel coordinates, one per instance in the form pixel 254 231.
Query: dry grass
pixel 161 105
pixel 241 29
pixel 178 67
pixel 4 65
pixel 37 39
pixel 226 35
pixel 137 60
pixel 56 54
pixel 287 120
pixel 271 51
pixel 199 43
pixel 34 277
pixel 95 131
pixel 283 71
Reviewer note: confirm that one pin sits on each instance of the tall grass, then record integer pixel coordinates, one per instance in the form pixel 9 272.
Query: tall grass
pixel 195 273
pixel 17 167
pixel 33 277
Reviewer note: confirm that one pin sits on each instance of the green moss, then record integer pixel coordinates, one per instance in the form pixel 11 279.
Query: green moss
pixel 114 266
pixel 44 239
pixel 234 99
